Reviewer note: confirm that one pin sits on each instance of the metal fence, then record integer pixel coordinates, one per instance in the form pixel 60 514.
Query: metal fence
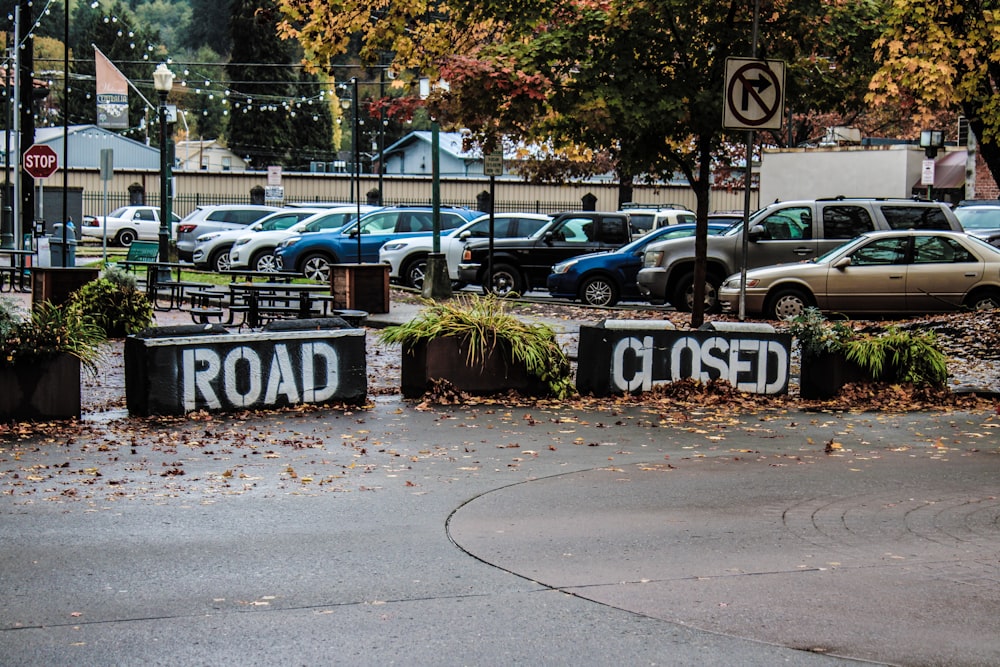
pixel 93 203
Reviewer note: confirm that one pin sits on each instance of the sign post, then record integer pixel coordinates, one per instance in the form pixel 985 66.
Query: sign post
pixel 755 97
pixel 492 167
pixel 41 162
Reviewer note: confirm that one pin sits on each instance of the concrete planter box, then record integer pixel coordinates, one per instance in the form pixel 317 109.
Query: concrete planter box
pixel 39 389
pixel 360 287
pixel 823 375
pixel 56 284
pixel 445 358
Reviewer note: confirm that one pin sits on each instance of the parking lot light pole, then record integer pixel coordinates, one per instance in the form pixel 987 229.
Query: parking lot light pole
pixel 163 81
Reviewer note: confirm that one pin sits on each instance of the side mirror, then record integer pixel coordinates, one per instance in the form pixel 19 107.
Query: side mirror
pixel 464 235
pixel 842 263
pixel 548 237
pixel 757 232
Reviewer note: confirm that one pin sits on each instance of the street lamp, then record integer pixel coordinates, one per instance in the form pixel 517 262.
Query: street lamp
pixel 437 284
pixel 163 81
pixel 931 141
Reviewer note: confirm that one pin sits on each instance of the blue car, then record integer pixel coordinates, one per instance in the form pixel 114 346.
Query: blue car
pixel 312 254
pixel 605 278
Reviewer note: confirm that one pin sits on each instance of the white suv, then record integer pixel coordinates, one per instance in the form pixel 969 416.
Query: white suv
pixel 645 219
pixel 407 257
pixel 205 219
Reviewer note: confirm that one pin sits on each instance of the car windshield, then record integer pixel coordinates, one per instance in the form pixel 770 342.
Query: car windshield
pixel 829 254
pixel 974 217
pixel 118 212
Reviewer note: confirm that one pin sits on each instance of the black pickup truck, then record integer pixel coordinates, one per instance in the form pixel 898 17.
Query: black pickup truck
pixel 525 263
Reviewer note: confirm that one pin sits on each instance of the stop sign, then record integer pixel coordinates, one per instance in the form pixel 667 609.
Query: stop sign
pixel 40 161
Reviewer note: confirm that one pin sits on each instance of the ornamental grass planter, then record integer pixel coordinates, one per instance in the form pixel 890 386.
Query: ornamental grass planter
pixel 40 389
pixel 447 358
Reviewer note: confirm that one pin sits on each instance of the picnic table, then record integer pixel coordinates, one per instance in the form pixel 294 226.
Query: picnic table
pixel 269 300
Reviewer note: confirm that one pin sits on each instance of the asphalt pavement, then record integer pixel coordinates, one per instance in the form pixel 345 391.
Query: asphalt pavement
pixel 496 535
pixel 403 533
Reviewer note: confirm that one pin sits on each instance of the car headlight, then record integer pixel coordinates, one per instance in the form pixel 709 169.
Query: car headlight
pixel 563 267
pixel 240 242
pixel 289 242
pixel 652 258
pixel 392 247
pixel 734 283
pixel 205 238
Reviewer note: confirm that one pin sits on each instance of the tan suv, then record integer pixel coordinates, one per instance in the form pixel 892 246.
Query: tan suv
pixel 780 233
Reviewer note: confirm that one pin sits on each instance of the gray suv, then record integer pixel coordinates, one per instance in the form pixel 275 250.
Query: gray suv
pixel 222 217
pixel 780 233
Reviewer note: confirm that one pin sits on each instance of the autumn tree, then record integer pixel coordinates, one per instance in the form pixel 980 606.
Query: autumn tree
pixel 941 54
pixel 642 82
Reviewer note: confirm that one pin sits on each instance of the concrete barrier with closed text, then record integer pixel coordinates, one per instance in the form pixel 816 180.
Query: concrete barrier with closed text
pixel 633 356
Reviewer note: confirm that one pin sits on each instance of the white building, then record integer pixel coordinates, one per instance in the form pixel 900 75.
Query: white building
pixel 206 155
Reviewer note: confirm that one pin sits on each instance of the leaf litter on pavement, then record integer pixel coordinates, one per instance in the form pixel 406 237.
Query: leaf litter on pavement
pixel 309 449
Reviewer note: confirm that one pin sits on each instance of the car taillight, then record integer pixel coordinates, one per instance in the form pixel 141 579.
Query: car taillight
pixel 184 229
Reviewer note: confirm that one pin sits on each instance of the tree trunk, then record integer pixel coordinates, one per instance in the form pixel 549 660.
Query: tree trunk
pixel 989 150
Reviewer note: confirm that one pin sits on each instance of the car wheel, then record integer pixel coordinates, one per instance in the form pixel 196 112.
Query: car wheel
pixel 983 300
pixel 125 238
pixel 787 303
pixel 506 281
pixel 414 271
pixel 220 260
pixel 599 291
pixel 683 299
pixel 264 262
pixel 316 267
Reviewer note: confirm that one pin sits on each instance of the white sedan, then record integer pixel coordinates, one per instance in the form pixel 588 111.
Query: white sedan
pixel 407 258
pixel 126 224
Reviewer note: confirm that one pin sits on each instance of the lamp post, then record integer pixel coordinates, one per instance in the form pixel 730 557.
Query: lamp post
pixel 163 81
pixel 437 284
pixel 931 141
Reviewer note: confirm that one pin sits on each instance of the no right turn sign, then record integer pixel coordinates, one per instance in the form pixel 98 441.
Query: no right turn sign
pixel 755 94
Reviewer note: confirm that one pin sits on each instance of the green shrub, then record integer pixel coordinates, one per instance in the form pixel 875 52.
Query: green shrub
pixel 115 303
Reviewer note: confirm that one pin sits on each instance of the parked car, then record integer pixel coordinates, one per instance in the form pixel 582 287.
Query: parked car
pixel 126 224
pixel 312 254
pixel 205 219
pixel 407 258
pixel 912 271
pixel 523 264
pixel 781 232
pixel 255 251
pixel 645 219
pixel 980 218
pixel 605 278
pixel 211 250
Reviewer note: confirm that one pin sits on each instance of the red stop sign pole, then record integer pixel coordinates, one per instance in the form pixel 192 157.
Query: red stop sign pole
pixel 40 161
